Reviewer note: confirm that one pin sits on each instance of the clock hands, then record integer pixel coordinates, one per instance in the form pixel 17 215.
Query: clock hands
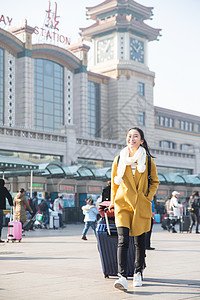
pixel 137 49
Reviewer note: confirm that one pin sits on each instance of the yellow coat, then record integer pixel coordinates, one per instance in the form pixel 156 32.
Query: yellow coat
pixel 132 202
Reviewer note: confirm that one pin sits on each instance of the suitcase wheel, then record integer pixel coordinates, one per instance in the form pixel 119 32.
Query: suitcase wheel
pixel 20 240
pixel 106 276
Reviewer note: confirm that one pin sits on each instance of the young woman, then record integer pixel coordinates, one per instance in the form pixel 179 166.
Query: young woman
pixel 131 197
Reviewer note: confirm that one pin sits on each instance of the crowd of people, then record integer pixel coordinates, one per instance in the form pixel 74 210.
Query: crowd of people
pixel 176 211
pixel 24 208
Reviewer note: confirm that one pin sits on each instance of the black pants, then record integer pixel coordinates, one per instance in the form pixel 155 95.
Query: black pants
pixel 194 220
pixel 1 221
pixel 148 236
pixel 123 245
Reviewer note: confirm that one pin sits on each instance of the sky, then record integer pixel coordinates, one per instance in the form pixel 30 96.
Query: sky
pixel 175 58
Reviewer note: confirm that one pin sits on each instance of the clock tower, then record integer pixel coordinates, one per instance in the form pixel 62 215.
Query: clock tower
pixel 119 48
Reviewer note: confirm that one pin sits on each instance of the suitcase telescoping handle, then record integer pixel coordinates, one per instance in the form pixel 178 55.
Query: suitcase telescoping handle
pixel 107 222
pixel 12 214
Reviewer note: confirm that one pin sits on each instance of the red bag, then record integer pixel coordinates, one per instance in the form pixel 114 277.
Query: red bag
pixel 102 206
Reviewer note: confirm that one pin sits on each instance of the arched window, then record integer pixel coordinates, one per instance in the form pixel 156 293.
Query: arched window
pixel 94 120
pixel 48 95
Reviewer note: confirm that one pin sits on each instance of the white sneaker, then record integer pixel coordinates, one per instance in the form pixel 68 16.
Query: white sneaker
pixel 121 284
pixel 137 279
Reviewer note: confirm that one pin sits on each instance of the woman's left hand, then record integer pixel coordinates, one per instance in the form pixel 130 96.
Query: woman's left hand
pixel 111 206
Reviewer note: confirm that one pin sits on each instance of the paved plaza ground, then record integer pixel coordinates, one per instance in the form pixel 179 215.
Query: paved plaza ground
pixel 57 264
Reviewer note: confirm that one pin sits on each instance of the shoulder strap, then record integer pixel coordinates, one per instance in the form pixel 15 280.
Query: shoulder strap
pixel 118 160
pixel 149 170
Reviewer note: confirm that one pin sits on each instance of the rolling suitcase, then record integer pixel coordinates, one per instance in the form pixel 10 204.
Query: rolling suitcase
pixel 107 246
pixel 51 222
pixel 29 223
pixel 165 223
pixel 56 222
pixel 14 230
pixel 184 223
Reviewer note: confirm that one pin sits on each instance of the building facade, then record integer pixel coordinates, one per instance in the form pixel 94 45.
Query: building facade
pixel 55 107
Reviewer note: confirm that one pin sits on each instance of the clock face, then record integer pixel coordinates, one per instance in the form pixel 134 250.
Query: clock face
pixel 136 50
pixel 105 50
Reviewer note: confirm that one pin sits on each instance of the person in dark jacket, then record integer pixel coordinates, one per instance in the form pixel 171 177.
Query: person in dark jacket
pixel 194 205
pixel 106 192
pixel 34 205
pixel 4 193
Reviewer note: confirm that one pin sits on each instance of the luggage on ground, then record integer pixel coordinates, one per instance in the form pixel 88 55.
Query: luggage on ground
pixel 54 220
pixel 184 223
pixel 51 222
pixel 165 223
pixel 14 229
pixel 107 246
pixel 29 223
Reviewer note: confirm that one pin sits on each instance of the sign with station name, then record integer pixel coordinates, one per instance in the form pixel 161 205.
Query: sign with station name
pixel 52 36
pixel 50 31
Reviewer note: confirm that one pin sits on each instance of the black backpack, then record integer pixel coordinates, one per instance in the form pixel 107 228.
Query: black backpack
pixel 43 205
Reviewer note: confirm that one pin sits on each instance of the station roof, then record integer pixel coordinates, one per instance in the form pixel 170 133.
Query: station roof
pixel 20 167
pixel 58 169
pixel 15 164
pixel 179 179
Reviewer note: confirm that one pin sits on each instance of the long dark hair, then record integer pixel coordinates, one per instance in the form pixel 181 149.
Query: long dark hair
pixel 144 145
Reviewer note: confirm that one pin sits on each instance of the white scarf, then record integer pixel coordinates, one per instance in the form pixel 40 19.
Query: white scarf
pixel 138 160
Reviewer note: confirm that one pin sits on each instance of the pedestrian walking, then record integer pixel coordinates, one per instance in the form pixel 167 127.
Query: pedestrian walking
pixel 166 224
pixel 4 194
pixel 58 206
pixel 194 205
pixel 34 203
pixel 176 209
pixel 21 204
pixel 44 208
pixel 131 198
pixel 90 211
pixel 49 208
